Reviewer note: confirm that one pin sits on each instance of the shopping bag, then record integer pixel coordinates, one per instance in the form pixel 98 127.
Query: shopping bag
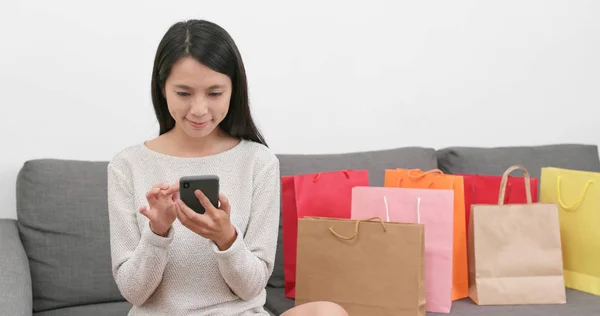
pixel 515 252
pixel 289 218
pixel 484 189
pixel 436 179
pixel 577 195
pixel 432 208
pixel 323 194
pixel 369 267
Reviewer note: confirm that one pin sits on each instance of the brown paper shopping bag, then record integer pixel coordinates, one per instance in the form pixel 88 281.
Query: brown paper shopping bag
pixel 515 254
pixel 369 267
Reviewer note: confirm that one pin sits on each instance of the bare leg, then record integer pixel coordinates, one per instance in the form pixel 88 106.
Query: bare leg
pixel 316 309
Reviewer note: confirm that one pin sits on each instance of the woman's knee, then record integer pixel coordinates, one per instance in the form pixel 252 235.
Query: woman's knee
pixel 329 308
pixel 317 309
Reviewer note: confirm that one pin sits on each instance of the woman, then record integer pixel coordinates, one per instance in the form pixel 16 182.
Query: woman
pixel 166 258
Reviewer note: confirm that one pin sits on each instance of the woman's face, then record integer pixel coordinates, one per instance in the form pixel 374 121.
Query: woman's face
pixel 197 97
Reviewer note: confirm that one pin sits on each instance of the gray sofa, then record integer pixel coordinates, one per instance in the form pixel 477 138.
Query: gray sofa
pixel 55 258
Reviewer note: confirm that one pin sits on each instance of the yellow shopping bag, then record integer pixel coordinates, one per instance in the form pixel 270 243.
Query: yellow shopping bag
pixel 577 194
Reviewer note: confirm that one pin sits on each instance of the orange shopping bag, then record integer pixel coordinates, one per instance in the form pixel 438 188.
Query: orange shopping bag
pixel 436 179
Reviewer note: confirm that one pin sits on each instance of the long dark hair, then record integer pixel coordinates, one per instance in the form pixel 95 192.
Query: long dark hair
pixel 213 47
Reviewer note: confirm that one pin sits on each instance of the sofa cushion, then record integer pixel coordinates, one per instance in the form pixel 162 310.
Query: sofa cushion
pixel 15 278
pixel 277 302
pixel 578 304
pixel 63 224
pixel 494 161
pixel 374 161
pixel 102 309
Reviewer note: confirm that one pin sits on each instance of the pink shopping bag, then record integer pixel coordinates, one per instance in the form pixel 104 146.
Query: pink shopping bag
pixel 434 209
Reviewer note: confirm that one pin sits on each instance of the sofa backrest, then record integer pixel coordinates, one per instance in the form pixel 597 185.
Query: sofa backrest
pixel 63 224
pixel 494 161
pixel 63 218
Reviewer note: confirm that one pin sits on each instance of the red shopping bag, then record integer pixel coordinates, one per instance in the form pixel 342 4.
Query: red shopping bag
pixel 484 189
pixel 290 229
pixel 324 194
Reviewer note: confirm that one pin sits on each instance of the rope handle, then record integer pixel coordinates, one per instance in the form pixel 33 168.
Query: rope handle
pixel 416 174
pixel 387 210
pixel 505 181
pixel 387 216
pixel 579 200
pixel 356 228
pixel 399 184
pixel 318 175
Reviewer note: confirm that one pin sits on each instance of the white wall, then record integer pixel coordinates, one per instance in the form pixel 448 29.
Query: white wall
pixel 74 76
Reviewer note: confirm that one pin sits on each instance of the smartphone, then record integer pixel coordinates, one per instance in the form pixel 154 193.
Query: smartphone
pixel 208 184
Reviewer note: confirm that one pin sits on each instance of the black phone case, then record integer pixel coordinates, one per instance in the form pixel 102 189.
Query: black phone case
pixel 209 185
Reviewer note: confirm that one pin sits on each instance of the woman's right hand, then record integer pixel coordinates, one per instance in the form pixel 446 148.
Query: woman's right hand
pixel 162 208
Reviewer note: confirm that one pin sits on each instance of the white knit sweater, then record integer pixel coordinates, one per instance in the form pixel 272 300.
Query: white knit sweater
pixel 184 273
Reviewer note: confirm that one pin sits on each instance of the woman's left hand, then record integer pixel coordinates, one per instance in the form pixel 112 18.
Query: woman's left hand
pixel 214 224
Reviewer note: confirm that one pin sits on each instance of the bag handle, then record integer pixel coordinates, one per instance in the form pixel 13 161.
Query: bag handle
pixel 399 184
pixel 346 173
pixel 505 180
pixel 387 211
pixel 578 202
pixel 416 174
pixel 356 228
pixel 387 216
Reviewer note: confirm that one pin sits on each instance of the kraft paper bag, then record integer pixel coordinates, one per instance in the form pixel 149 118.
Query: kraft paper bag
pixel 436 179
pixel 515 254
pixel 577 194
pixel 432 208
pixel 369 267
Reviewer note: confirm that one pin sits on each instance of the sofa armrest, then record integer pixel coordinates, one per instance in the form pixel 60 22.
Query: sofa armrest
pixel 15 277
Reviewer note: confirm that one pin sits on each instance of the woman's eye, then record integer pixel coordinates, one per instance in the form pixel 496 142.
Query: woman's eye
pixel 215 94
pixel 183 94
